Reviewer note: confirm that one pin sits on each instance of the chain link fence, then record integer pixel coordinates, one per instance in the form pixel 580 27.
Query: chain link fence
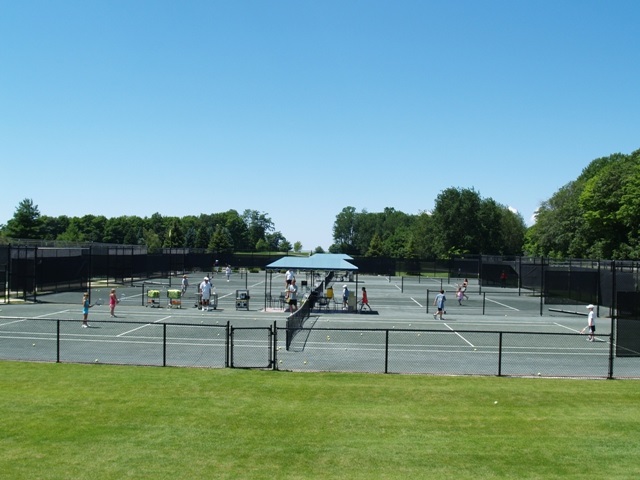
pixel 401 351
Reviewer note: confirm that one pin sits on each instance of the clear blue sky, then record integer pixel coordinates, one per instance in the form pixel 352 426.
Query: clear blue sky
pixel 300 108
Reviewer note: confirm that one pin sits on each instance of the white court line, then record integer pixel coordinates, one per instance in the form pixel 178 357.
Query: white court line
pixel 22 319
pixel 463 339
pixel 11 323
pixel 502 304
pixel 417 302
pixel 143 326
pixel 568 328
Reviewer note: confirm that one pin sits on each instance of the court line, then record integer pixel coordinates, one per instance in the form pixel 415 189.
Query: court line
pixel 502 304
pixel 143 326
pixel 22 319
pixel 418 303
pixel 461 337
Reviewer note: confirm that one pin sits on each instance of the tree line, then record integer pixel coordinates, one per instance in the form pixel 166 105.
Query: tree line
pixel 224 232
pixel 595 216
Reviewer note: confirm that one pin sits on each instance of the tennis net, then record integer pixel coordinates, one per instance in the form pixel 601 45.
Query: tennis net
pixel 295 321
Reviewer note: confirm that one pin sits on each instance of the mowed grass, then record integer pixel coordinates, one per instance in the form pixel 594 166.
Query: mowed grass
pixel 64 421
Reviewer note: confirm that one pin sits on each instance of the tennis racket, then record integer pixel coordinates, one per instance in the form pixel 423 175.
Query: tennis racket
pixel 584 329
pixel 98 302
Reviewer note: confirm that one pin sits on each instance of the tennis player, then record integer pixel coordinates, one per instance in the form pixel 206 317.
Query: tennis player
pixel 205 292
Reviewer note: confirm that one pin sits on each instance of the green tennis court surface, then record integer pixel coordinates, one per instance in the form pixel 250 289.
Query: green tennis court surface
pixel 498 330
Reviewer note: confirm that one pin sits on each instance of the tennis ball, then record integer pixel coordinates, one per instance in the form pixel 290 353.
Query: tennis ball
pixel 34 344
pixel 539 374
pixel 96 360
pixel 305 362
pixel 495 403
pixel 475 349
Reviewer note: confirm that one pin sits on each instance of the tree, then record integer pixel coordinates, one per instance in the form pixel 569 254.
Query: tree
pixel 344 232
pixel 456 222
pixel 595 215
pixel 174 237
pixel 375 247
pixel 422 236
pixel 221 241
pixel 258 226
pixel 152 241
pixel 52 227
pixel 26 222
pixel 297 247
pixel 513 230
pixel 284 246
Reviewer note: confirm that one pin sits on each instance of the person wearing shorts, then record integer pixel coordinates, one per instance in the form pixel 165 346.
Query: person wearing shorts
pixel 293 296
pixel 205 293
pixel 591 323
pixel 85 310
pixel 439 303
pixel 185 285
pixel 288 277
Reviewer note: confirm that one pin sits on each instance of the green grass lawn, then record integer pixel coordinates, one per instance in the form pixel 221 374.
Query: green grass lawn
pixel 108 422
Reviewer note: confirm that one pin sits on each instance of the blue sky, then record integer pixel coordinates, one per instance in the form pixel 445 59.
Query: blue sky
pixel 300 108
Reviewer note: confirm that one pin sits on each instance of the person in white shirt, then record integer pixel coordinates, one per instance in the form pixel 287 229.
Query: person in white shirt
pixel 289 276
pixel 185 285
pixel 293 296
pixel 205 293
pixel 591 323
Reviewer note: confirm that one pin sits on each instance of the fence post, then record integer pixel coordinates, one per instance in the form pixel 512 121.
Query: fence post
pixel 274 348
pixel 427 302
pixel 58 342
pixel 611 338
pixel 228 345
pixel 164 344
pixel 484 301
pixel 386 352
pixel 500 355
pixel 541 283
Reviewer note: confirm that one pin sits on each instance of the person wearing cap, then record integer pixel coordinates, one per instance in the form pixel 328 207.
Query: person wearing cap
pixel 205 293
pixel 345 297
pixel 185 285
pixel 591 323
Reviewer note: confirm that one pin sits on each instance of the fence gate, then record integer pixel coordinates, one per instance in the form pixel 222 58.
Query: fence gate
pixel 251 347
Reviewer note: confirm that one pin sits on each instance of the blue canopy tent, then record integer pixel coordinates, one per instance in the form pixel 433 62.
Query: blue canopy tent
pixel 330 264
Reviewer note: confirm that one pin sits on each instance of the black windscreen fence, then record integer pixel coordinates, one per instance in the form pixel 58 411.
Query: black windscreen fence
pixel 33 272
pixel 628 324
pixel 571 287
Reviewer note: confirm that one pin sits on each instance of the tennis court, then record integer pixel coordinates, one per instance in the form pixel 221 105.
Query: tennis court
pixel 497 331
